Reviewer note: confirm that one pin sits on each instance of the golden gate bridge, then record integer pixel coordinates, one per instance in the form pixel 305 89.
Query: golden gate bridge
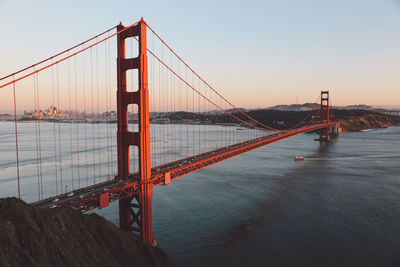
pixel 166 118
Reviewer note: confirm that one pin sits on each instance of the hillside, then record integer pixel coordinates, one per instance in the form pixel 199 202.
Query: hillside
pixel 351 120
pixel 357 120
pixel 43 237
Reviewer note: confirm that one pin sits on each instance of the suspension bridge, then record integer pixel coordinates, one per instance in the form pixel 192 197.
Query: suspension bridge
pixel 80 145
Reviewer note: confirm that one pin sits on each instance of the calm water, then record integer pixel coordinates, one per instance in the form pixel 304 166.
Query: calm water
pixel 340 207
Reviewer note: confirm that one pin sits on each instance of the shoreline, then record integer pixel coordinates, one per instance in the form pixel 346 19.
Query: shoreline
pixel 357 124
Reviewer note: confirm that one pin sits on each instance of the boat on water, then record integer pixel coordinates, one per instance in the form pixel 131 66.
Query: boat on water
pixel 298 158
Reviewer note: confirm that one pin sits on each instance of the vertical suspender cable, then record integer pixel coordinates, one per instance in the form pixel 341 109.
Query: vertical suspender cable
pixel 152 92
pixel 54 115
pixel 180 114
pixel 186 116
pixel 171 106
pixel 199 119
pixel 59 130
pixel 77 115
pixel 16 139
pixel 163 109
pixel 160 112
pixel 109 105
pixel 107 113
pixel 93 115
pixel 167 114
pixel 70 124
pixel 98 113
pixel 40 143
pixel 193 116
pixel 36 133
pixel 173 136
pixel 85 121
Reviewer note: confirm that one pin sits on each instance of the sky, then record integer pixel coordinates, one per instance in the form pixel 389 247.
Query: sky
pixel 255 53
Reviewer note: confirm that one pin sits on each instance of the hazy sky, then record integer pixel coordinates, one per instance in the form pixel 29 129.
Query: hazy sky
pixel 256 53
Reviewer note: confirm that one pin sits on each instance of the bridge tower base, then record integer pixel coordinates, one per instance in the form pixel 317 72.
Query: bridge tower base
pixel 134 211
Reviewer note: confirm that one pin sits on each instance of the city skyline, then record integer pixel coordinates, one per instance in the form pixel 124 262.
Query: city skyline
pixel 276 58
pixel 206 133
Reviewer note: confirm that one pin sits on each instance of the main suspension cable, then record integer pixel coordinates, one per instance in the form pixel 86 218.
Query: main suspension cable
pixel 209 86
pixel 67 57
pixel 202 95
pixel 56 55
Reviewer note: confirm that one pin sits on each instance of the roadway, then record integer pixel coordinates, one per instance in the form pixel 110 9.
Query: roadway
pixel 88 198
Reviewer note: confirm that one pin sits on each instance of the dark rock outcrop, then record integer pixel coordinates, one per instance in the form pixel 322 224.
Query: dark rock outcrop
pixel 43 237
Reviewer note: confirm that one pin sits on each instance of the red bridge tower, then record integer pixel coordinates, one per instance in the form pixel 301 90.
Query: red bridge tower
pixel 134 211
pixel 324 116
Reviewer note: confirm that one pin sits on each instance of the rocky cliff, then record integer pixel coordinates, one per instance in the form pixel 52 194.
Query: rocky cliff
pixel 43 237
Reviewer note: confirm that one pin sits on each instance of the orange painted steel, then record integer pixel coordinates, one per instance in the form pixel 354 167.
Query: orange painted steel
pixel 324 116
pixel 206 98
pixel 167 178
pixel 104 200
pixel 135 211
pixel 134 190
pixel 56 55
pixel 131 188
pixel 67 57
pixel 209 86
pixel 233 150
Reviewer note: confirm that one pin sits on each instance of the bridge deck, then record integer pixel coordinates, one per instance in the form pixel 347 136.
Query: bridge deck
pixel 88 198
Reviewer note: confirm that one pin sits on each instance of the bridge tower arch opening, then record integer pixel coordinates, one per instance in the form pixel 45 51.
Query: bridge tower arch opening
pixel 135 212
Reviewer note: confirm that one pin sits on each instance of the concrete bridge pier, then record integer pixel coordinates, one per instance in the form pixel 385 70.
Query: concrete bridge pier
pixel 329 133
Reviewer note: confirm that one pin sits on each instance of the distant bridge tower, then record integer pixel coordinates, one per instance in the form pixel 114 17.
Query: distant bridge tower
pixel 324 116
pixel 134 211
